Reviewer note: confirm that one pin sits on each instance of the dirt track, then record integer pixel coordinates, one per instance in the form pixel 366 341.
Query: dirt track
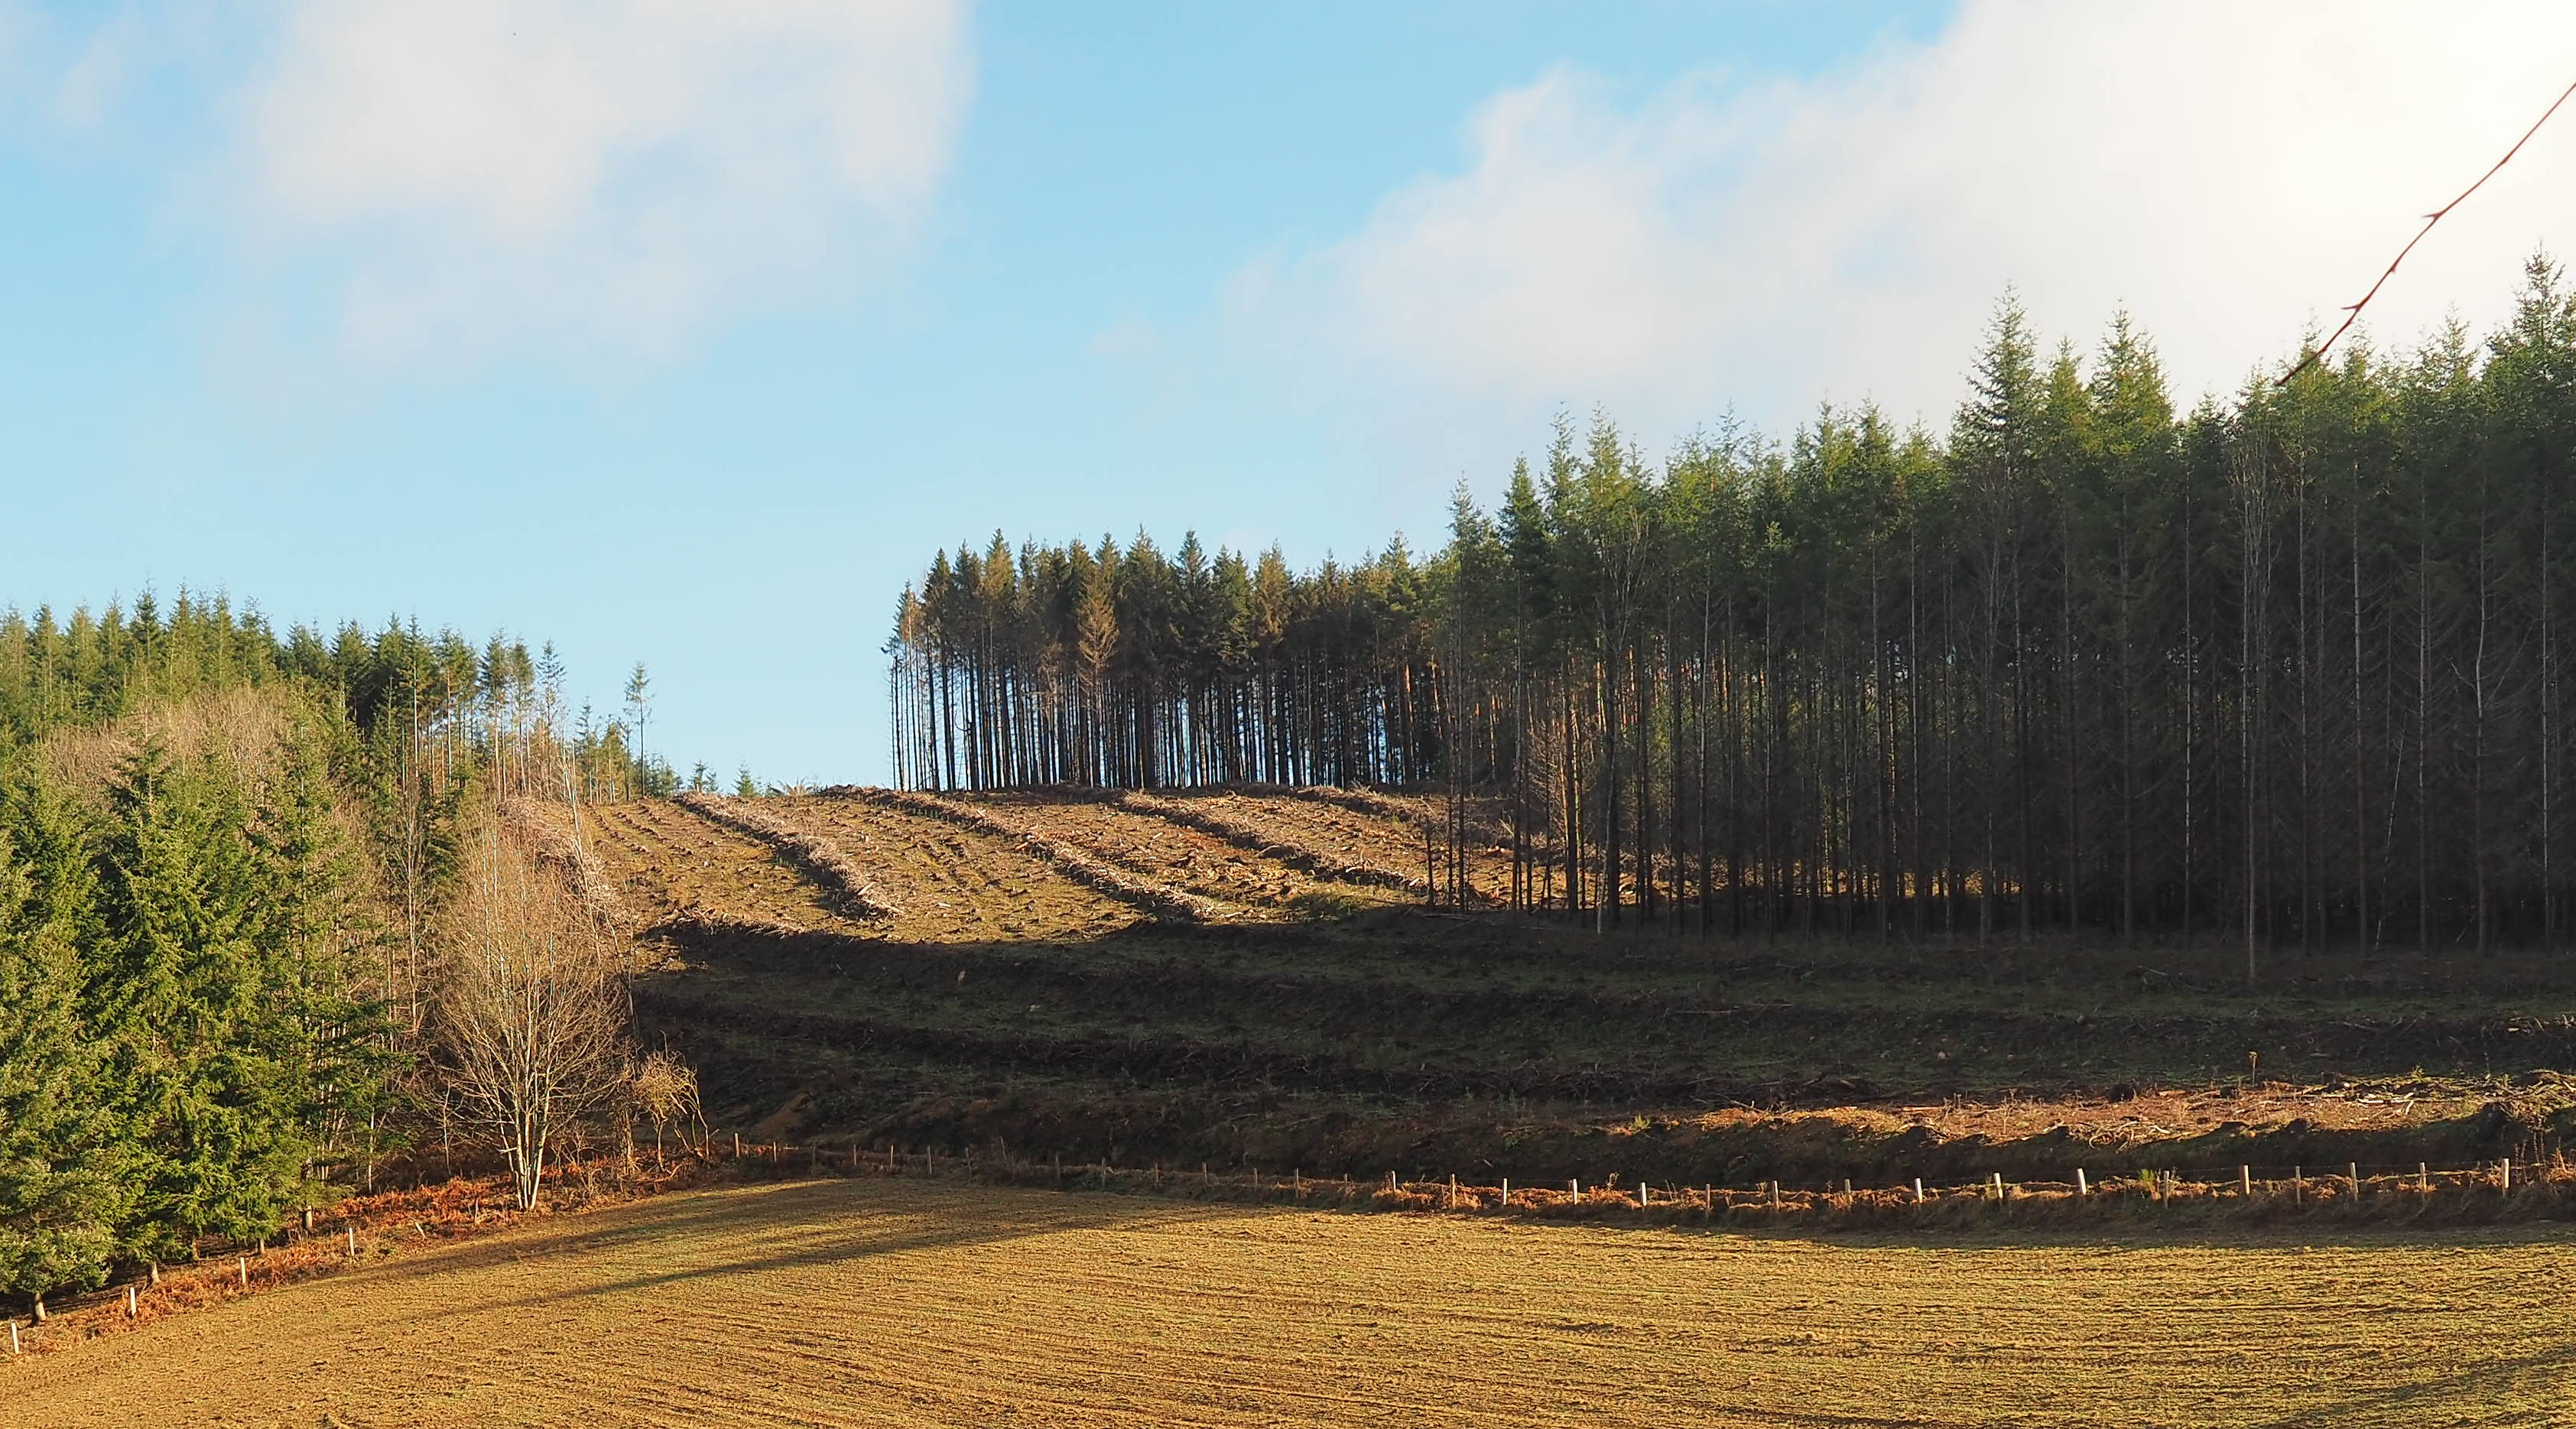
pixel 905 1302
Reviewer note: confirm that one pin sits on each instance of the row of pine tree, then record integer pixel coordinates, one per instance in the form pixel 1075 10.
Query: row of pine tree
pixel 2288 667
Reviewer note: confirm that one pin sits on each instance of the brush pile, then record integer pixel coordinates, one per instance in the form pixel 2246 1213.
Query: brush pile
pixel 1295 855
pixel 829 866
pixel 1161 900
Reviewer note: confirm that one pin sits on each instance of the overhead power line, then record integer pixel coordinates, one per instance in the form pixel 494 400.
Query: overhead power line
pixel 2353 312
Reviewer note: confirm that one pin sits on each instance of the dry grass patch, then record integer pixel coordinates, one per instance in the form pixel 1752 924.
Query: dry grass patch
pixel 881 1303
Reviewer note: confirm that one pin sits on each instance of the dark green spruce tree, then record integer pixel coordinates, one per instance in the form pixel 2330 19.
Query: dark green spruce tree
pixel 63 1169
pixel 205 1055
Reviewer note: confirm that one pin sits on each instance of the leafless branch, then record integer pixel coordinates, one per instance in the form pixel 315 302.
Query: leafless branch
pixel 2352 313
pixel 531 1012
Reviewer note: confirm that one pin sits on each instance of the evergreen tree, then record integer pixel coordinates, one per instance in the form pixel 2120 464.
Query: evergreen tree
pixel 63 1187
pixel 2289 668
pixel 205 1058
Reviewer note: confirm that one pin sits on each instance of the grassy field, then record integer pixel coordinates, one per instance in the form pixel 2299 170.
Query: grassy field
pixel 878 1303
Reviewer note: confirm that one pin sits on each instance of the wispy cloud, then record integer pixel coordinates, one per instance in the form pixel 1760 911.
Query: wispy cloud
pixel 588 178
pixel 2230 173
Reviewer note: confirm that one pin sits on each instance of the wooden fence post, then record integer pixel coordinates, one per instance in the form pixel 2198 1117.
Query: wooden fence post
pixel 353 1240
pixel 2245 1181
pixel 2082 1188
pixel 2504 1175
pixel 1918 1190
pixel 13 1336
pixel 132 1310
pixel 243 1265
pixel 1507 1193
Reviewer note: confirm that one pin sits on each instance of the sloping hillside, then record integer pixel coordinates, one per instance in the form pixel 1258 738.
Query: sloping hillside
pixel 1246 977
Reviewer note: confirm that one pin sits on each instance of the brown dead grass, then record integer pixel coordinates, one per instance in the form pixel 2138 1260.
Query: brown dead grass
pixel 818 857
pixel 2166 1115
pixel 881 1303
pixel 951 883
pixel 1380 830
pixel 678 866
pixel 1327 857
pixel 1002 867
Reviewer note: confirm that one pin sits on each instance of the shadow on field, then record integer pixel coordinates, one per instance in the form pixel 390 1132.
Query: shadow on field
pixel 798 1225
pixel 2471 1396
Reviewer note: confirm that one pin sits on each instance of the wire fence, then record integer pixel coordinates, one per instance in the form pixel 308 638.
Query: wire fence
pixel 2505 1188
pixel 317 1242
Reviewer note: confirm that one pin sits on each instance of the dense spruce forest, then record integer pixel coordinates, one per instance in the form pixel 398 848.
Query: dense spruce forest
pixel 2289 666
pixel 222 851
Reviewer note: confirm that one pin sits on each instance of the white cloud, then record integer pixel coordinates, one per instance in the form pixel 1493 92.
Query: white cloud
pixel 2231 173
pixel 97 79
pixel 588 176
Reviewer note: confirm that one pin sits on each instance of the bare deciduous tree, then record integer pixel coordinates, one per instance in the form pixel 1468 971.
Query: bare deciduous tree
pixel 532 1015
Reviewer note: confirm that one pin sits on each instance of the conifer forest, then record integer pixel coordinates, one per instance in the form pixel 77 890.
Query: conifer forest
pixel 222 855
pixel 2287 668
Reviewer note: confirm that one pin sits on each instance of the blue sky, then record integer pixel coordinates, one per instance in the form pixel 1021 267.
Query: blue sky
pixel 686 337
